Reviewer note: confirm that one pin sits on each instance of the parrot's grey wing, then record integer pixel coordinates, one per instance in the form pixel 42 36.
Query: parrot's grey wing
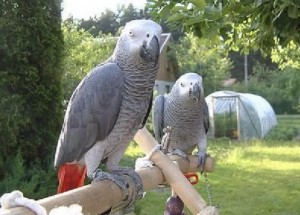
pixel 148 111
pixel 205 116
pixel 92 112
pixel 158 117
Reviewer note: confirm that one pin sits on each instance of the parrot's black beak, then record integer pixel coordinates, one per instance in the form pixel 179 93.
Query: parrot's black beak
pixel 195 92
pixel 150 50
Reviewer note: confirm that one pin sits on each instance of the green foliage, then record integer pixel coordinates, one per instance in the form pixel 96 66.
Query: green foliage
pixel 282 133
pixel 251 59
pixel 288 56
pixel 126 14
pixel 106 23
pixel 30 85
pixel 242 24
pixel 281 88
pixel 35 182
pixel 110 22
pixel 199 56
pixel 288 128
pixel 11 107
pixel 82 52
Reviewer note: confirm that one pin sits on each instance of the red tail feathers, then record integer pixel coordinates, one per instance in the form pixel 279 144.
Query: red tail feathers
pixel 70 176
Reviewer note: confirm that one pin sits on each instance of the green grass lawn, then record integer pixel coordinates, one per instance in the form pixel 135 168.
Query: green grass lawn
pixel 254 177
pixel 289 120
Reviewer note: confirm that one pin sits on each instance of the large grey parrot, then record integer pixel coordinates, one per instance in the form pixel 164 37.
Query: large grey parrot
pixel 109 105
pixel 185 111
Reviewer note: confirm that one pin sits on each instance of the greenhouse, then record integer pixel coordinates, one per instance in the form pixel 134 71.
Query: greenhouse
pixel 239 115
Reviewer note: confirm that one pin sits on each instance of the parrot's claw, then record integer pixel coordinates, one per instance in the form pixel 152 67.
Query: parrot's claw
pixel 201 160
pixel 99 175
pixel 118 178
pixel 180 153
pixel 135 177
pixel 130 177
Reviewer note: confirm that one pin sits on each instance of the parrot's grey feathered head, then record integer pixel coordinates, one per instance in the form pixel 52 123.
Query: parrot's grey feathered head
pixel 189 87
pixel 139 43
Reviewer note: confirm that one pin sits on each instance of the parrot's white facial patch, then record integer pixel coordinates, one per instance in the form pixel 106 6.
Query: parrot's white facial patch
pixel 190 86
pixel 140 32
pixel 138 37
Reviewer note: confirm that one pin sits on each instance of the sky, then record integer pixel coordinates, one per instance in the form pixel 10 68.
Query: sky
pixel 84 9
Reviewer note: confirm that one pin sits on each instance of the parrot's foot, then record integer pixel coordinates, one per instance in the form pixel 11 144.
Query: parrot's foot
pixel 120 180
pixel 99 175
pixel 123 177
pixel 132 175
pixel 180 153
pixel 201 160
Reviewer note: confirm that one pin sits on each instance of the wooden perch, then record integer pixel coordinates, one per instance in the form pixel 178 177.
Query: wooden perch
pixel 99 197
pixel 172 173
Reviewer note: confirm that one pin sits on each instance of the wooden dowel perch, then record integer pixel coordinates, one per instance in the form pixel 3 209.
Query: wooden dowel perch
pixel 99 197
pixel 172 173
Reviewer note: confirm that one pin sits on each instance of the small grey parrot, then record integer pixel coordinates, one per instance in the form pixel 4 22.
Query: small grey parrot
pixel 109 106
pixel 185 111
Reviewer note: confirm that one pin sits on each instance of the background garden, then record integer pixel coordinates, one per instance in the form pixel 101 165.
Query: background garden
pixel 42 59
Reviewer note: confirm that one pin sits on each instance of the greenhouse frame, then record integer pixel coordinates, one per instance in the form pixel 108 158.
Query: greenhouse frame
pixel 239 116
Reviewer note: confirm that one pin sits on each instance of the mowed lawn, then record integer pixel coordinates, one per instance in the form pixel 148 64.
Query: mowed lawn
pixel 253 177
pixel 289 120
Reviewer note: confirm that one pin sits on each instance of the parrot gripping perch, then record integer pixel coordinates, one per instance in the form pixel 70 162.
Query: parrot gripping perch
pixel 123 178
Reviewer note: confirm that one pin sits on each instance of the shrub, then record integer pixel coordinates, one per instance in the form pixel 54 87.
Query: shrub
pixel 31 46
pixel 34 181
pixel 282 133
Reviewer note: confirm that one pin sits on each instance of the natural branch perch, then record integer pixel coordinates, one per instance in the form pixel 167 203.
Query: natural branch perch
pixel 99 197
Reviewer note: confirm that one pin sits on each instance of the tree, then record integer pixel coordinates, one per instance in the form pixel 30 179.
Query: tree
pixel 288 56
pixel 280 87
pixel 82 52
pixel 129 13
pixel 238 60
pixel 109 22
pixel 106 23
pixel 199 56
pixel 30 68
pixel 242 24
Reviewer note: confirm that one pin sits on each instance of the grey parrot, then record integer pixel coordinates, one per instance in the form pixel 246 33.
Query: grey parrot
pixel 184 111
pixel 109 106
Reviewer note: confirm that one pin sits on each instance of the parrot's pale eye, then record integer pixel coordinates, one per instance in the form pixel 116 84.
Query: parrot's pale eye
pixel 191 83
pixel 182 84
pixel 131 33
pixel 148 35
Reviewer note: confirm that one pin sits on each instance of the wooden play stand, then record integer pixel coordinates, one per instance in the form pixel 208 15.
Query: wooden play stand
pixel 99 197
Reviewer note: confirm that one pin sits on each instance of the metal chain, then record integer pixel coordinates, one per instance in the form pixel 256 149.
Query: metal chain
pixel 208 190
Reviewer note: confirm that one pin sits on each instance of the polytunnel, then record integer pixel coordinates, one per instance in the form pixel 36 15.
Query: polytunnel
pixel 239 115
